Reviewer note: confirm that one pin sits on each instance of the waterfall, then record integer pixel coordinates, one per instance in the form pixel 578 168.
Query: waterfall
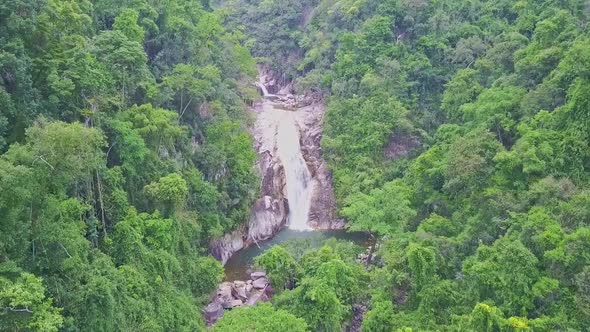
pixel 265 91
pixel 296 171
pixel 278 133
pixel 283 127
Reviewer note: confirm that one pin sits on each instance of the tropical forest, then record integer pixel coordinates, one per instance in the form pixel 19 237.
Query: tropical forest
pixel 307 165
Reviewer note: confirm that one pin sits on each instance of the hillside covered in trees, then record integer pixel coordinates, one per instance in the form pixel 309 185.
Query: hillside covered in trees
pixel 457 133
pixel 124 150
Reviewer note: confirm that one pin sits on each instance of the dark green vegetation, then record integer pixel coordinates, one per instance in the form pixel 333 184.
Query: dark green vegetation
pixel 259 318
pixel 122 128
pixel 458 134
pixel 328 282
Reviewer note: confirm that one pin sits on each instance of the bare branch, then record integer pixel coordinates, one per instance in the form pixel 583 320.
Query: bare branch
pixel 43 160
pixel 184 110
pixel 11 309
pixel 66 250
pixel 102 215
pixel 110 148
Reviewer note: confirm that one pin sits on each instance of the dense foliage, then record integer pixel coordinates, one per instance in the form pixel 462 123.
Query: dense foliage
pixel 457 133
pixel 122 127
pixel 275 28
pixel 328 283
pixel 263 318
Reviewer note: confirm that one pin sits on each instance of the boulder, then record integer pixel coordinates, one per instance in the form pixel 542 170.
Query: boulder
pixel 224 291
pixel 268 291
pixel 236 303
pixel 286 89
pixel 267 217
pixel 227 304
pixel 213 312
pixel 260 283
pixel 223 248
pixel 249 288
pixel 255 297
pixel 257 275
pixel 239 292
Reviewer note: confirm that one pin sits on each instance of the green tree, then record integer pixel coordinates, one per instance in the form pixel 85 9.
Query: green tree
pixel 470 163
pixel 345 279
pixel 384 211
pixel 126 60
pixel 189 86
pixel 169 192
pixel 422 263
pixel 25 305
pixel 486 318
pixel 126 22
pixel 316 303
pixel 280 266
pixel 380 318
pixel 504 273
pixel 261 318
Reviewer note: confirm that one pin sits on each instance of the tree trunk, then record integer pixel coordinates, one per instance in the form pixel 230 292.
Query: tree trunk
pixel 99 187
pixel 371 250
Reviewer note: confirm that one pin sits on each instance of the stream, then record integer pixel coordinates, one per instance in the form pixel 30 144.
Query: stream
pixel 281 129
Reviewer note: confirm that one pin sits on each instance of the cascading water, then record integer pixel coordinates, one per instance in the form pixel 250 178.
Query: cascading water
pixel 264 90
pixel 298 177
pixel 296 172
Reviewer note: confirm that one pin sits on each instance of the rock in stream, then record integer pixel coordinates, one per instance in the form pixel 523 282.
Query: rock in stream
pixel 235 294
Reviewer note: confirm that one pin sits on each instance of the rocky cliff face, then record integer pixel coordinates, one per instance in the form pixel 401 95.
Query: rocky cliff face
pixel 310 111
pixel 273 81
pixel 322 214
pixel 224 247
pixel 269 213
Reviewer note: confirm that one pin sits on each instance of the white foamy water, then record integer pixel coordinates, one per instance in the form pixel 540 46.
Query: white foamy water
pixel 265 91
pixel 280 130
pixel 296 171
